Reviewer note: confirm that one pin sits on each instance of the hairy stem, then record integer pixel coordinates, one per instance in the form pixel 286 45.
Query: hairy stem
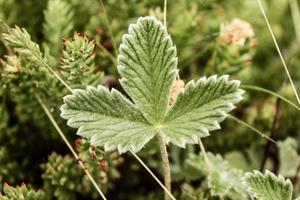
pixel 165 164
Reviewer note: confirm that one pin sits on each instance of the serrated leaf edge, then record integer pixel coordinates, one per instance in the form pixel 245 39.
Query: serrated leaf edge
pixel 279 178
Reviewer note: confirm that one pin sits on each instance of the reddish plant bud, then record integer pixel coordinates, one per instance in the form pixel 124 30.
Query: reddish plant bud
pixel 103 165
pixel 78 142
pixel 106 44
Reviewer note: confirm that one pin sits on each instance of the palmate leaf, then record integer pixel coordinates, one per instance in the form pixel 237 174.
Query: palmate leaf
pixel 147 64
pixel 268 186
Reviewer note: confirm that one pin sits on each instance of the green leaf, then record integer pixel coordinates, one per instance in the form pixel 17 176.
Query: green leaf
pixel 223 179
pixel 289 158
pixel 107 118
pixel 200 108
pixel 268 186
pixel 147 64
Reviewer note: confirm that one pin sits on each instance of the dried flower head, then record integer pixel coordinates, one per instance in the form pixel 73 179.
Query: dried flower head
pixel 237 32
pixel 176 88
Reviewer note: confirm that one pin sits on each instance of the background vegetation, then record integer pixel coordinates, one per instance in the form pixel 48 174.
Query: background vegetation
pixel 75 40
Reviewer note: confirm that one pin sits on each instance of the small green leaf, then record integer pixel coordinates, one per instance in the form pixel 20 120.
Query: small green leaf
pixel 147 64
pixel 268 186
pixel 107 118
pixel 223 180
pixel 289 158
pixel 200 108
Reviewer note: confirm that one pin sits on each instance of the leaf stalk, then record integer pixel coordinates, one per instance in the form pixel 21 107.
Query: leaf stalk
pixel 165 164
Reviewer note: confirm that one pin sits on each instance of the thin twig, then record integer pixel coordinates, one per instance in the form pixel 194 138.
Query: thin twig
pixel 109 27
pixel 251 127
pixel 279 51
pixel 260 89
pixel 153 175
pixel 204 153
pixel 62 135
pixel 165 14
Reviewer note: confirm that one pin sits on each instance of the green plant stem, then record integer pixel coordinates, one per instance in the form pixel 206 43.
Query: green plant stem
pixel 279 51
pixel 109 28
pixel 260 89
pixel 165 164
pixel 153 175
pixel 251 127
pixel 62 135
